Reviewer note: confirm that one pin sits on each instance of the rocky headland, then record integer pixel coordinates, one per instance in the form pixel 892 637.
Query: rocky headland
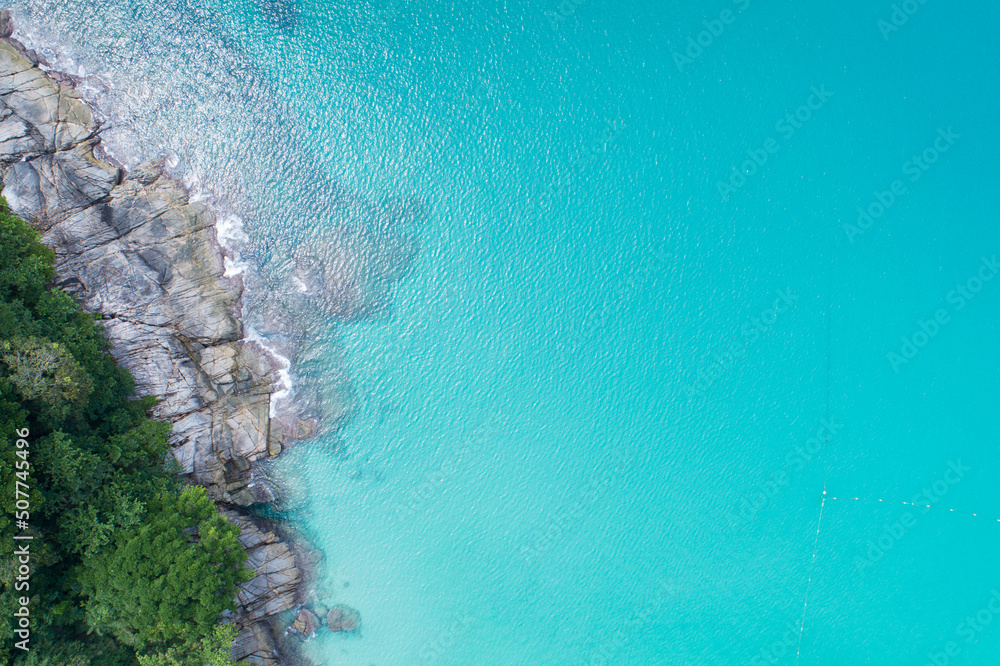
pixel 138 251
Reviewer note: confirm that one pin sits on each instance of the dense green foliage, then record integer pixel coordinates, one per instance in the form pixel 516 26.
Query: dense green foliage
pixel 127 566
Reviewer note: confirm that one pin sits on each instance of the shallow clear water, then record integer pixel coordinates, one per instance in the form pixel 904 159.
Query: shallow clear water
pixel 581 434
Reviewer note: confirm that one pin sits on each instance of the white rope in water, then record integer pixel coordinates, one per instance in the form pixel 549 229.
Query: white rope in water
pixel 819 523
pixel 812 566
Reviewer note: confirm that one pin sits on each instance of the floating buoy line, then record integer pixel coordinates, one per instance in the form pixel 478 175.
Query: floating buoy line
pixel 913 504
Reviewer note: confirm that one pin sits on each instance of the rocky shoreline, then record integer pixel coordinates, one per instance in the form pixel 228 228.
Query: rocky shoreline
pixel 138 251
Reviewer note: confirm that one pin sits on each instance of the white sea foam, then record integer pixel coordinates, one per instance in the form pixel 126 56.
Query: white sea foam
pixel 284 394
pixel 233 267
pixel 229 230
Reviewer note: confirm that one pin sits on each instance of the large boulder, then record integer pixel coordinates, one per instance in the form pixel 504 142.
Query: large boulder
pixel 306 623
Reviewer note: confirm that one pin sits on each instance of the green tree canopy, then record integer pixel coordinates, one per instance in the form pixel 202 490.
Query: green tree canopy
pixel 168 578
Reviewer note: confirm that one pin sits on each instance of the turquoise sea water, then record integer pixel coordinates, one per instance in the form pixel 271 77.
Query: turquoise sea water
pixel 596 424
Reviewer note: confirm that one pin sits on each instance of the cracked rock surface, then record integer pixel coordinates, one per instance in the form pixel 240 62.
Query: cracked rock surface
pixel 135 249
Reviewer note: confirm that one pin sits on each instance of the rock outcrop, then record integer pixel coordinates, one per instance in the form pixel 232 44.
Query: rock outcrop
pixel 306 623
pixel 137 250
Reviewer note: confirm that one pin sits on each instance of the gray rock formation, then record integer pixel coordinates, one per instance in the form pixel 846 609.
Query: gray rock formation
pixel 137 250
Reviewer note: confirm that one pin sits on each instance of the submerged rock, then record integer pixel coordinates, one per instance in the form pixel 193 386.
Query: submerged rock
pixel 349 271
pixel 343 618
pixel 281 14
